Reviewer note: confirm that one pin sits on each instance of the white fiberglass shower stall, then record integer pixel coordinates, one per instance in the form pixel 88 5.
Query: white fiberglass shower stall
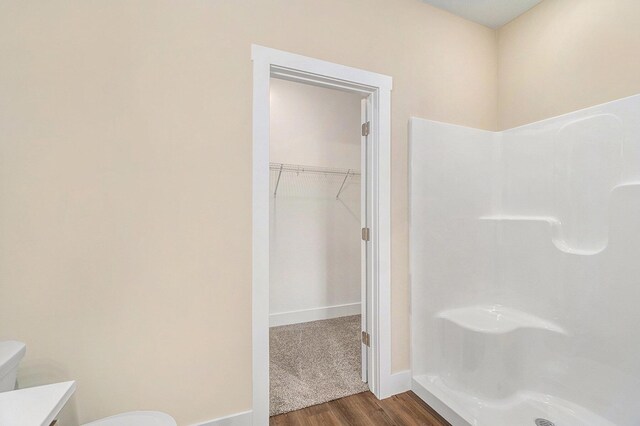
pixel 525 269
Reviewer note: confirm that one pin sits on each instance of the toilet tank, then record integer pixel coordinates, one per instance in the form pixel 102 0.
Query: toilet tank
pixel 11 353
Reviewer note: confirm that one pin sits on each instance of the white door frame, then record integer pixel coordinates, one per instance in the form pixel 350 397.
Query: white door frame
pixel 270 62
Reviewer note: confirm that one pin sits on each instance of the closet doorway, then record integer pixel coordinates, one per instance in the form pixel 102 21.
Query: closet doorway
pixel 329 304
pixel 318 245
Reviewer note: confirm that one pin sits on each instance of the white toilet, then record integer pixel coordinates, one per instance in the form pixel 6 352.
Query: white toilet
pixel 12 352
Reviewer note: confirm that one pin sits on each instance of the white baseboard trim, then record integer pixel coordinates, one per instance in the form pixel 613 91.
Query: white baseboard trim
pixel 314 314
pixel 397 383
pixel 238 419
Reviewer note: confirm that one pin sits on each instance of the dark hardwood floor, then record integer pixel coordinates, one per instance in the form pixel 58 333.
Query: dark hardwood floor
pixel 405 409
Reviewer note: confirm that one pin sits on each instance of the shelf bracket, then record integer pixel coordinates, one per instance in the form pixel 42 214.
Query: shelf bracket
pixel 343 182
pixel 275 191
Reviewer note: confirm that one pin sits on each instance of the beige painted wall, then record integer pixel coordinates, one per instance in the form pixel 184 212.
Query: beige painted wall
pixel 125 186
pixel 565 55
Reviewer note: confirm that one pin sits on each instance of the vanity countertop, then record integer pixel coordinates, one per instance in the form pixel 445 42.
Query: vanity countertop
pixel 36 406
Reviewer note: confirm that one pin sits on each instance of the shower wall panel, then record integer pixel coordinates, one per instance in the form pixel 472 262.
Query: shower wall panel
pixel 524 268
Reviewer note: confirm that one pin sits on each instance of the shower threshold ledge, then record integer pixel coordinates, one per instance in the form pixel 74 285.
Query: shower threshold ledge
pixel 521 409
pixel 496 319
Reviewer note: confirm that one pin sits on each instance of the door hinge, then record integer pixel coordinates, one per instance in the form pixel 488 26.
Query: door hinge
pixel 366 339
pixel 366 234
pixel 365 128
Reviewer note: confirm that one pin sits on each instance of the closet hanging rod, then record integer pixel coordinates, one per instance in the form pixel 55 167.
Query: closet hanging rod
pixel 283 167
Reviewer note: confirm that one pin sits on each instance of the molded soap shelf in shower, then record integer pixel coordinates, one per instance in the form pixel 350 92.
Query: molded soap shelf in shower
pixel 555 226
pixel 622 198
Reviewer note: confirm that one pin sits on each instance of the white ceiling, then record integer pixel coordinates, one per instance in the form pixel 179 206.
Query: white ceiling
pixel 492 13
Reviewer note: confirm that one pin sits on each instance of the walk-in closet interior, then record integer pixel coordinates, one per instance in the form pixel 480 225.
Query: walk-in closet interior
pixel 315 246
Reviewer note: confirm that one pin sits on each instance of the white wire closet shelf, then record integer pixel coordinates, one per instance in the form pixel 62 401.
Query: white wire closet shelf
pixel 302 169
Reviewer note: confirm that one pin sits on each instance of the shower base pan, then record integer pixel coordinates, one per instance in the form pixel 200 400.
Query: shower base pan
pixel 523 409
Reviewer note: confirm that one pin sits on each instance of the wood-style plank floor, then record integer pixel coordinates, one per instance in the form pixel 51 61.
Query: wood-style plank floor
pixel 405 409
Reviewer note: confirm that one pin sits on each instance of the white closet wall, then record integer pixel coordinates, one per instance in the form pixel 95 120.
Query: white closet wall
pixel 314 237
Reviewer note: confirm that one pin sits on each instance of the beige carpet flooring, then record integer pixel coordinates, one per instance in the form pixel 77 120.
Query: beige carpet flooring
pixel 314 362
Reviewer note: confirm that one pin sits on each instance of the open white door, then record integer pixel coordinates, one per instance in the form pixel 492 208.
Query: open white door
pixel 365 220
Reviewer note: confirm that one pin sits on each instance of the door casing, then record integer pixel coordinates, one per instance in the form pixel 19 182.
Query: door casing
pixel 268 63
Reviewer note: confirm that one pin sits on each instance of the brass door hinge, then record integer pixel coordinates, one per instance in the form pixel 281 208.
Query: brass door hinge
pixel 365 128
pixel 366 339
